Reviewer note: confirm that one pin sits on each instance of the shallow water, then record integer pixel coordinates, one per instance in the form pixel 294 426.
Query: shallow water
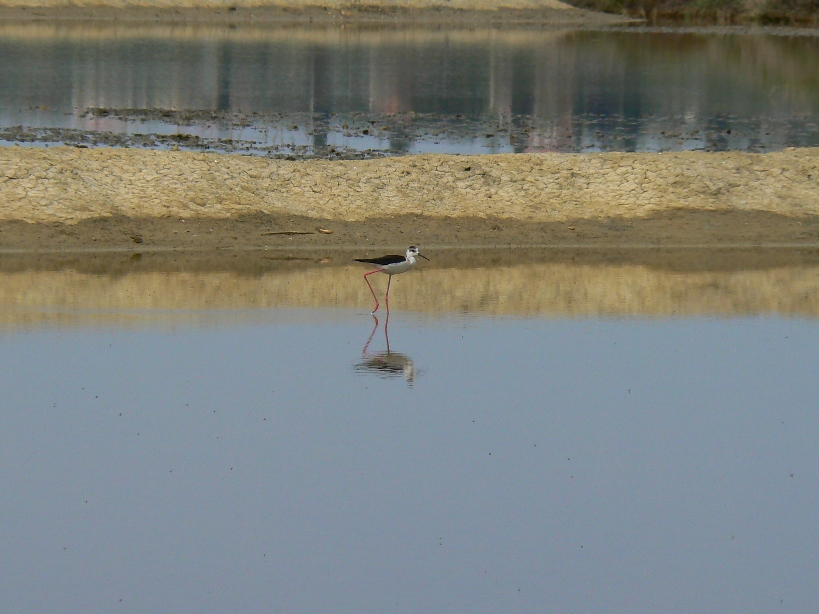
pixel 135 294
pixel 347 92
pixel 504 464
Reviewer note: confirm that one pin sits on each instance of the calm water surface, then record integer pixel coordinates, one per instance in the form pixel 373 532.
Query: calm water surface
pixel 485 464
pixel 290 460
pixel 346 92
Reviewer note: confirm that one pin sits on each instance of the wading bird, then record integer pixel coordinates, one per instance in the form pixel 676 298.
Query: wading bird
pixel 391 265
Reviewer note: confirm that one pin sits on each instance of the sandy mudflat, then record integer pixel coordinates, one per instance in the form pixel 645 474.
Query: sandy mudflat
pixel 65 198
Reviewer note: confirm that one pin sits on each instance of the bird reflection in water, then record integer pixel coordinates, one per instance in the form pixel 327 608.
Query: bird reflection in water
pixel 386 364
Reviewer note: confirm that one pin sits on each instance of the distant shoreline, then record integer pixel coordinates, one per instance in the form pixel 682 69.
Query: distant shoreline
pixel 797 14
pixel 478 13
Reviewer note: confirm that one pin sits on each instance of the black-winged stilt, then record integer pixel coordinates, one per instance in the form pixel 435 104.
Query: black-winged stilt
pixel 391 265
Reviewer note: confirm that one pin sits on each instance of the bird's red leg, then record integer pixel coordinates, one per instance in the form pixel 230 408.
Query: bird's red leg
pixel 387 330
pixel 387 295
pixel 367 345
pixel 371 288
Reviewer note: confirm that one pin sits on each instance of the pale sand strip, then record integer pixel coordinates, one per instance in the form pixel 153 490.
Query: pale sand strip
pixel 474 5
pixel 68 184
pixel 550 290
pixel 85 31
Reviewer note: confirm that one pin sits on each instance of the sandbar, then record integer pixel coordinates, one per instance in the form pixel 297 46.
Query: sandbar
pixel 72 199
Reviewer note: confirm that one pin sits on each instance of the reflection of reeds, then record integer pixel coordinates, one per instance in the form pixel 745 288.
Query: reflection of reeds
pixel 29 298
pixel 659 81
pixel 770 76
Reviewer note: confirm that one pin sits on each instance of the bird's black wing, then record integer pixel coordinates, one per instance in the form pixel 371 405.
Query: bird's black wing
pixel 382 260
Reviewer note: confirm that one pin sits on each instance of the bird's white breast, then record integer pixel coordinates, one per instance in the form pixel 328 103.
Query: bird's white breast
pixel 400 267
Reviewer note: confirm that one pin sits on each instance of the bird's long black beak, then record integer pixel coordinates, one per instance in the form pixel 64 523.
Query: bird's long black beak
pixel 424 257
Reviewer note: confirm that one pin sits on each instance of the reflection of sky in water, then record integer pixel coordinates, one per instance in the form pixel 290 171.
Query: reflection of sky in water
pixel 533 91
pixel 533 465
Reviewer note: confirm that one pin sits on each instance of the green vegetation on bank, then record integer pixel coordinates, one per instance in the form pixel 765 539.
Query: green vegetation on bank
pixel 763 12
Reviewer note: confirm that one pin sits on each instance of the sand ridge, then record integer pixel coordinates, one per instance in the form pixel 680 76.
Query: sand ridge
pixel 64 184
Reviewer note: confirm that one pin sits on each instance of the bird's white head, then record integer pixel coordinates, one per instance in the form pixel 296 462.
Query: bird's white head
pixel 412 252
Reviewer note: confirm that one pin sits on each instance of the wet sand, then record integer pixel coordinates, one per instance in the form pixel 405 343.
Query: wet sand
pixel 294 236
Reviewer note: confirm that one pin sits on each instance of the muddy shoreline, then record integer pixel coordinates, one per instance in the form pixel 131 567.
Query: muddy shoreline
pixel 316 137
pixel 300 237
